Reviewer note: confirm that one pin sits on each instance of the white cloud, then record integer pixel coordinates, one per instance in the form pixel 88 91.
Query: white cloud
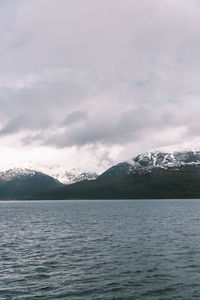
pixel 126 73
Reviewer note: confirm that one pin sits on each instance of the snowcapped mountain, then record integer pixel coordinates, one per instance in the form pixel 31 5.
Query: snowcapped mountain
pixel 75 175
pixel 150 160
pixel 159 159
pixel 27 168
pixel 171 157
pixel 15 173
pixel 166 157
pixel 151 175
pixel 162 173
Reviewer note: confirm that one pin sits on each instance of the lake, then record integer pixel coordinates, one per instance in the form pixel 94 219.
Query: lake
pixel 88 250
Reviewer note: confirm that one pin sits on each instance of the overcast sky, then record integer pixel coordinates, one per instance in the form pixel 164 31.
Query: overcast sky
pixel 93 82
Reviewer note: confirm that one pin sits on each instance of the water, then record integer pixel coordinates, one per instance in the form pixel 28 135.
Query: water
pixel 145 249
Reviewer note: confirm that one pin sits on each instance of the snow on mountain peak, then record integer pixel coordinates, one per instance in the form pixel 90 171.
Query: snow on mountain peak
pixel 10 174
pixel 74 175
pixel 168 157
pixel 62 174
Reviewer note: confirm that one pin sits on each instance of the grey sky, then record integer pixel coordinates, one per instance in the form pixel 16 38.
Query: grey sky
pixel 98 79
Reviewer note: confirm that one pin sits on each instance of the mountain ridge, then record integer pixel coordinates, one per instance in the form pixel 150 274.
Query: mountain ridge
pixel 152 174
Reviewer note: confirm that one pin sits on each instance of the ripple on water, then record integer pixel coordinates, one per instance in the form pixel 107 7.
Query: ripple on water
pixel 106 250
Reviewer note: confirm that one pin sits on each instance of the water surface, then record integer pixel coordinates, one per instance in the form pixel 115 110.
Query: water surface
pixel 86 250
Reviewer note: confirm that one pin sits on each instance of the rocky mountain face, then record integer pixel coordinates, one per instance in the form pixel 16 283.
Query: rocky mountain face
pixel 158 159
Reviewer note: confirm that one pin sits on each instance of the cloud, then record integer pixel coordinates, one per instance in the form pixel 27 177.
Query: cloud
pixel 99 73
pixel 74 117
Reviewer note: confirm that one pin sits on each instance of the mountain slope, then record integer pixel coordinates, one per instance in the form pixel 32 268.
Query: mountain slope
pixel 160 183
pixel 149 175
pixel 22 183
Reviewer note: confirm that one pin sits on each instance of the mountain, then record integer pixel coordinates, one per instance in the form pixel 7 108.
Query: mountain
pixel 74 175
pixel 59 172
pixel 20 183
pixel 153 174
pixel 148 161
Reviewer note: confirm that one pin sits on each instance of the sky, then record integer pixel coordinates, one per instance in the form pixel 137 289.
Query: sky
pixel 92 83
